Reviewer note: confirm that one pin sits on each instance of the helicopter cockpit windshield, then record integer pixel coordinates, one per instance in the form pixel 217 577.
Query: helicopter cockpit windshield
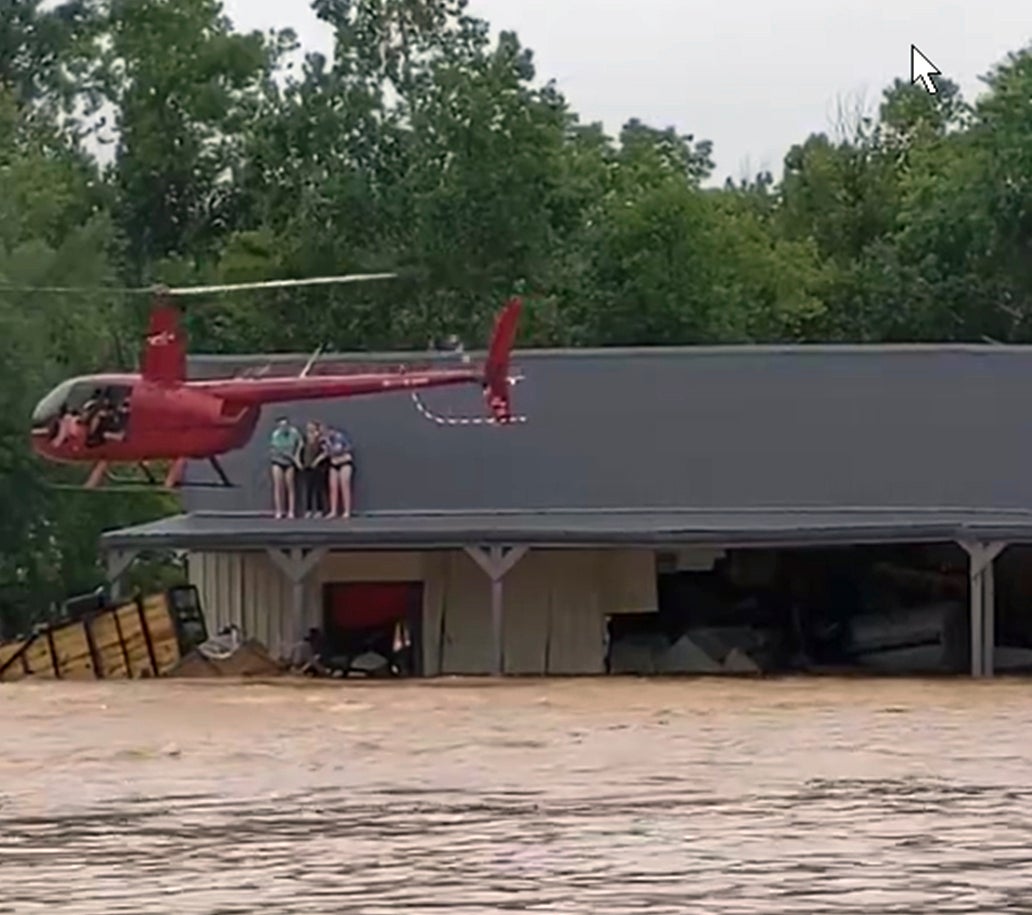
pixel 102 410
pixel 68 397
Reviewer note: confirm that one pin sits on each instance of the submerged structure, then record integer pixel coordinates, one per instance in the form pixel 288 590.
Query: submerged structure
pixel 661 510
pixel 147 636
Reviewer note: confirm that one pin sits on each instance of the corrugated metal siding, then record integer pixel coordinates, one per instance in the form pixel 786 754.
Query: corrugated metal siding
pixel 210 573
pixel 371 566
pixel 577 632
pixel 246 590
pixel 268 605
pixel 627 583
pixel 526 602
pixel 436 568
pixel 466 633
pixel 555 603
pixel 250 591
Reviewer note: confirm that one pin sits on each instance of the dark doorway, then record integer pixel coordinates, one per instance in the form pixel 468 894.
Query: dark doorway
pixel 891 609
pixel 367 621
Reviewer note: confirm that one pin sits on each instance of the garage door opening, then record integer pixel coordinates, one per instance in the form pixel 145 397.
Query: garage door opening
pixel 899 609
pixel 374 628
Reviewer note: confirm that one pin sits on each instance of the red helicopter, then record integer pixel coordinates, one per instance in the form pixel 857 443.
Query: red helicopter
pixel 159 416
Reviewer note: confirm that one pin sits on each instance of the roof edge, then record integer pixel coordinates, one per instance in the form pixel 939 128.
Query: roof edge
pixel 798 538
pixel 617 511
pixel 948 527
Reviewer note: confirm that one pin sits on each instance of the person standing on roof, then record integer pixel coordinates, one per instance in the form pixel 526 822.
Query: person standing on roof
pixel 323 479
pixel 338 449
pixel 285 455
pixel 314 483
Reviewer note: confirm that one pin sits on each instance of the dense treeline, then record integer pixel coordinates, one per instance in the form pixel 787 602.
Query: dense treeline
pixel 145 140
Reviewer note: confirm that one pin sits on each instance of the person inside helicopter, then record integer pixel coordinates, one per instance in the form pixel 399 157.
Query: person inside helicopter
pixel 91 414
pixel 79 411
pixel 99 420
pixel 65 427
pixel 119 420
pixel 91 404
pixel 106 416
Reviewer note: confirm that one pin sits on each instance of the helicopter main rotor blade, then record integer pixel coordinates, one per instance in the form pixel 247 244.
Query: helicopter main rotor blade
pixel 80 290
pixel 198 290
pixel 277 284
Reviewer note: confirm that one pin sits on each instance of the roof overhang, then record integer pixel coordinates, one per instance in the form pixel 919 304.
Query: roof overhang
pixel 762 527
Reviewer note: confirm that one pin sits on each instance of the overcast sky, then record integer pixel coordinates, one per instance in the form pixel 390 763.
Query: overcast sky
pixel 753 76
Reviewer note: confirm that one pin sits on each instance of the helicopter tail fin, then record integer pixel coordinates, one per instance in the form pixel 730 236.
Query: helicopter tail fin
pixel 496 368
pixel 164 350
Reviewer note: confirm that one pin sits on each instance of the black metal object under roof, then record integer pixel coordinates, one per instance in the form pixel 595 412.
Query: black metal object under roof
pixel 570 528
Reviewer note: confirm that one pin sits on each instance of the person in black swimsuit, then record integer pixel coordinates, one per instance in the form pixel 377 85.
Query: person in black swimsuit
pixel 313 461
pixel 338 449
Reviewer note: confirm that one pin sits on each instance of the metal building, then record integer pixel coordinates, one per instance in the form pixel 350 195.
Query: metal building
pixel 524 540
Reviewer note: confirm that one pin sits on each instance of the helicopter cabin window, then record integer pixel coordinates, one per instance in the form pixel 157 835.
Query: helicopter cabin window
pixel 106 414
pixel 102 409
pixel 51 408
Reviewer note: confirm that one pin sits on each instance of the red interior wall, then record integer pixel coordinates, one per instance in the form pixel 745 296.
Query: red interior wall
pixel 361 605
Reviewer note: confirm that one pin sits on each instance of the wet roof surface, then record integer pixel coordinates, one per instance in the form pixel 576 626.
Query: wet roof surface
pixel 702 429
pixel 688 444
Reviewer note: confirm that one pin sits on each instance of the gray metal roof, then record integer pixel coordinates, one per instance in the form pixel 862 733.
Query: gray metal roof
pixel 718 429
pixel 746 527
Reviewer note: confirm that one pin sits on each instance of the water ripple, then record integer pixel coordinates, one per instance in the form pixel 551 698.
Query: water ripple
pixel 566 797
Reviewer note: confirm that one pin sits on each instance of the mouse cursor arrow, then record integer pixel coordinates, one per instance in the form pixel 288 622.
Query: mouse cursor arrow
pixel 922 70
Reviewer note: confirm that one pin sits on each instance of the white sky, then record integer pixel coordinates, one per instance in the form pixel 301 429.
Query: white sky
pixel 753 76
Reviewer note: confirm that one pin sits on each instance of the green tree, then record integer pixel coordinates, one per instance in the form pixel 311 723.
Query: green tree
pixel 185 88
pixel 37 47
pixel 53 231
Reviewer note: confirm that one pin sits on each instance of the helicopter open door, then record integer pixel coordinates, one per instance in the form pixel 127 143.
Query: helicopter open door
pixel 107 417
pixel 87 408
pixel 68 397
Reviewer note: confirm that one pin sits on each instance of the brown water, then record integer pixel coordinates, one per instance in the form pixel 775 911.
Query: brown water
pixel 571 797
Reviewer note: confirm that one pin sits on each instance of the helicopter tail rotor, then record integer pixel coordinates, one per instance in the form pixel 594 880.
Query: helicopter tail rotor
pixel 496 368
pixel 495 377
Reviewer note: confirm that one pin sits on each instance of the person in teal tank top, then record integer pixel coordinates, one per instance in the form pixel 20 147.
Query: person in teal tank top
pixel 285 455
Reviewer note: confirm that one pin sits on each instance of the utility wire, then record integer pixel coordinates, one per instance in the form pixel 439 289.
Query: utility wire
pixel 200 290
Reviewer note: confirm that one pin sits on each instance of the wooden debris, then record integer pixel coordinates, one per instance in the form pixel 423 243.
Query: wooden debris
pixel 144 637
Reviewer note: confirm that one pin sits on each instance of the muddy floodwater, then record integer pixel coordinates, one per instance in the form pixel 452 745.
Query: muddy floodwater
pixel 579 796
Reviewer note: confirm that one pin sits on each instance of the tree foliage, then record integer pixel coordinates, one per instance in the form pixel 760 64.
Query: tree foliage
pixel 149 140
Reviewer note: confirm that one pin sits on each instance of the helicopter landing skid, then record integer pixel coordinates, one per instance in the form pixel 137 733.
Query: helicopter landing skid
pixel 101 480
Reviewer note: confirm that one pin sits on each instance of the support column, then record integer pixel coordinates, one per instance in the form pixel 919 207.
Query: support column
pixel 989 616
pixel 118 563
pixel 497 562
pixel 296 564
pixel 982 589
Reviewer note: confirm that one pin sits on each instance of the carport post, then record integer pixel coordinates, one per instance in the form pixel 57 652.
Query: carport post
pixel 983 604
pixel 118 563
pixel 497 562
pixel 296 564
